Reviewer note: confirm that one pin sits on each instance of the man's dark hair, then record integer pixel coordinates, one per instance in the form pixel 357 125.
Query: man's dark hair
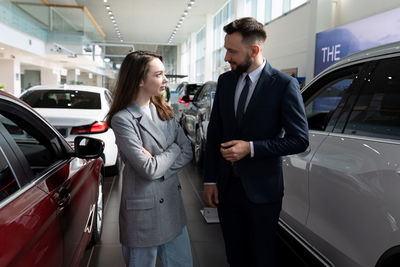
pixel 251 30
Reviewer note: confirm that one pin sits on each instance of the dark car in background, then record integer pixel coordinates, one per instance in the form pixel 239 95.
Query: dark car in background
pixel 51 196
pixel 186 94
pixel 195 118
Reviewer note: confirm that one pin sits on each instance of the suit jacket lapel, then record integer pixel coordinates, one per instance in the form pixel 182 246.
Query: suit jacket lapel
pixel 231 89
pixel 264 83
pixel 148 124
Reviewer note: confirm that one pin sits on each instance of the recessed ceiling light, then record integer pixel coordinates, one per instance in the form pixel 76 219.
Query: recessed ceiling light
pixel 108 7
pixel 105 1
pixel 106 59
pixel 185 12
pixel 112 17
pixel 110 12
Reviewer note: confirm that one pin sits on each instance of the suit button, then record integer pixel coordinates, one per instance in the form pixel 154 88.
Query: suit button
pixel 161 200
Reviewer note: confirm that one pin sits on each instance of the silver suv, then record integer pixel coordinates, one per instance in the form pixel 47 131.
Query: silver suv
pixel 342 195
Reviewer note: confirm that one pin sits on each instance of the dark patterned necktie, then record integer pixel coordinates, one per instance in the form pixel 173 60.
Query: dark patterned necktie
pixel 242 100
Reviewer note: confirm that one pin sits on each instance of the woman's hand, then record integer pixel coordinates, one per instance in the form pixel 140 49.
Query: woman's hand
pixel 147 153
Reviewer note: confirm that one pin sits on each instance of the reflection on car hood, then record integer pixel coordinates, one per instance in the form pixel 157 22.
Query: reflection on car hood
pixel 71 117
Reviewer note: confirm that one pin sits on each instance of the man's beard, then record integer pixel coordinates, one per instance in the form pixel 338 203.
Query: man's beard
pixel 241 68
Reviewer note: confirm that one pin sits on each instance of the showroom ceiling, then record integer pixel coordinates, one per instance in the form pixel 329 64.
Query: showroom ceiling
pixel 149 21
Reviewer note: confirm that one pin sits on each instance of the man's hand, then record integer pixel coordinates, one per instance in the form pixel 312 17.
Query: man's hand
pixel 147 153
pixel 211 195
pixel 235 150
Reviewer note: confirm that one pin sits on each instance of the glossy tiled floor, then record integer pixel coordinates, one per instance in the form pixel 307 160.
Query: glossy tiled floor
pixel 206 239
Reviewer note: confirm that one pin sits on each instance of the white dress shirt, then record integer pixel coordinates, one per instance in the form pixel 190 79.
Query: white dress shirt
pixel 146 110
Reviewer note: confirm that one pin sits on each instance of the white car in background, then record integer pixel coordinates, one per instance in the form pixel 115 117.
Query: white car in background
pixel 77 110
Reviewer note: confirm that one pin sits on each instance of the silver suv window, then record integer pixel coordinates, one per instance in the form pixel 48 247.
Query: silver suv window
pixel 376 112
pixel 319 110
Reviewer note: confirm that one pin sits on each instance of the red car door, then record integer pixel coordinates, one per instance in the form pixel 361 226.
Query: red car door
pixel 29 227
pixel 66 186
pixel 74 188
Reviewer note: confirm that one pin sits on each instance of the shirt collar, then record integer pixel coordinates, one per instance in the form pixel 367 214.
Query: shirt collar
pixel 255 74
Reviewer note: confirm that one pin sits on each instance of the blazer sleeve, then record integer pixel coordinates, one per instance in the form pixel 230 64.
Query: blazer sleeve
pixel 294 122
pixel 213 140
pixel 186 151
pixel 130 145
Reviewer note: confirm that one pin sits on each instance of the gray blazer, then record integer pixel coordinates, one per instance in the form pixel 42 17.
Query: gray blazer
pixel 151 211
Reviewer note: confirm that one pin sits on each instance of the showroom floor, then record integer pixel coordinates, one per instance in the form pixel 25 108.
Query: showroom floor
pixel 206 239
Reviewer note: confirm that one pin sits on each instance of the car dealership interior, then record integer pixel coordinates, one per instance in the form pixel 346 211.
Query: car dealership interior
pixel 63 165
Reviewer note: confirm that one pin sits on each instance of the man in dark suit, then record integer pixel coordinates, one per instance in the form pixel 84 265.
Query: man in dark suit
pixel 258 116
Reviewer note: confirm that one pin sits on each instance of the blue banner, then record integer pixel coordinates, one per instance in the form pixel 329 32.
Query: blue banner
pixel 333 44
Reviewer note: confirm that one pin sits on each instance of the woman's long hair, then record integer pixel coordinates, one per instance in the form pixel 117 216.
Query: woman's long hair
pixel 133 70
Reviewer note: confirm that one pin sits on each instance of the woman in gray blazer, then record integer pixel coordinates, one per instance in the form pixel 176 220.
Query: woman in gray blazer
pixel 154 148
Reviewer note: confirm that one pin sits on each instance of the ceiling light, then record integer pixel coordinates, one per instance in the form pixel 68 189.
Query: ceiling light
pixel 189 6
pixel 122 40
pixel 192 1
pixel 185 12
pixel 108 7
pixel 110 12
pixel 106 59
pixel 2 48
pixel 105 1
pixel 112 17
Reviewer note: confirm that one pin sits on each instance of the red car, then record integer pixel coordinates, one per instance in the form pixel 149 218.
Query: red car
pixel 51 198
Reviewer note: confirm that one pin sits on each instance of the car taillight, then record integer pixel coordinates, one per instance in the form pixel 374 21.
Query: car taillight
pixel 96 127
pixel 183 101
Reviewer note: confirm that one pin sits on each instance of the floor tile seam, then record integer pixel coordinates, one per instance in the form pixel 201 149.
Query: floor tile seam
pixel 195 191
pixel 105 206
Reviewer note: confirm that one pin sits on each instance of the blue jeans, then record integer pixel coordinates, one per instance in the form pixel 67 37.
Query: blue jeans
pixel 175 253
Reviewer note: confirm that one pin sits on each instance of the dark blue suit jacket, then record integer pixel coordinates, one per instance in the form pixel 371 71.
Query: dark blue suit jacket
pixel 274 120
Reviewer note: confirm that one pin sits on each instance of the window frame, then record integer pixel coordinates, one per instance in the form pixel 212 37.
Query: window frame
pixel 61 149
pixel 372 65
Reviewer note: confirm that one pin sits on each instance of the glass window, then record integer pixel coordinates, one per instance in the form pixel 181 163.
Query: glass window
pixel 276 8
pixel 62 99
pixel 376 112
pixel 322 105
pixel 251 8
pixel 8 184
pixel 200 54
pixel 222 18
pixel 296 3
pixel 36 147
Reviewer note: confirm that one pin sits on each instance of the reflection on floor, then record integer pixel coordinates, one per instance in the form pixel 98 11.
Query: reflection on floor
pixel 206 239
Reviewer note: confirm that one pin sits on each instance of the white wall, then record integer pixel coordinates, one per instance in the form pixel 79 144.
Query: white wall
pixel 47 76
pixel 352 10
pixel 287 40
pixel 10 75
pixel 17 39
pixel 291 38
